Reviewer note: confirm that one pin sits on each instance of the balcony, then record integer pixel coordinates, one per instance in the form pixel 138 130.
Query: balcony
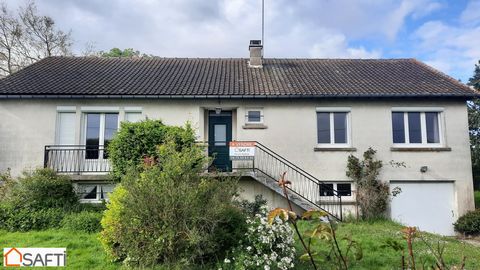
pixel 77 159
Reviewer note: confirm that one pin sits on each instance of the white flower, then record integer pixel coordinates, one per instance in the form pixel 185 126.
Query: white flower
pixel 227 261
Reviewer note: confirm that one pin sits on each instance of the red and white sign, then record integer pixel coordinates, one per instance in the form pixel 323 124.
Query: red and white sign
pixel 242 150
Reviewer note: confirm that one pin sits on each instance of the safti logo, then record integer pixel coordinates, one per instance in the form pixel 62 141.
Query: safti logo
pixel 31 257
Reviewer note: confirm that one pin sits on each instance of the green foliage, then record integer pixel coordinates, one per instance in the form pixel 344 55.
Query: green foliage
pixel 41 189
pixel 476 196
pixel 28 219
pixel 324 230
pixel 136 141
pixel 169 213
pixel 128 52
pixel 373 235
pixel 89 207
pixel 37 200
pixel 112 225
pixel 469 223
pixel 252 208
pixel 268 244
pixel 84 250
pixel 84 221
pixel 475 79
pixel 372 194
pixel 432 257
pixel 474 125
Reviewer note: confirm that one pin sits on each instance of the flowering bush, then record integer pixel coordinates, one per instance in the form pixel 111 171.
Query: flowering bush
pixel 266 246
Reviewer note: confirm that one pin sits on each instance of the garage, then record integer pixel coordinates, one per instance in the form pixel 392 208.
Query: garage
pixel 427 205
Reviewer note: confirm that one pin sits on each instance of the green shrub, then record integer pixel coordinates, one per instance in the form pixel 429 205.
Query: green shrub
pixel 112 225
pixel 477 199
pixel 42 189
pixel 372 194
pixel 252 208
pixel 170 213
pixel 135 141
pixel 24 219
pixel 84 221
pixel 469 223
pixel 89 207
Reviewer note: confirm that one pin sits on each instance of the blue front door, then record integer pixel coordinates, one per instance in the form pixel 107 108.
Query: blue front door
pixel 219 136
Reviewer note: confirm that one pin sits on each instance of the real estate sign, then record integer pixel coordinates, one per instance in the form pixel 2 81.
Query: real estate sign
pixel 242 150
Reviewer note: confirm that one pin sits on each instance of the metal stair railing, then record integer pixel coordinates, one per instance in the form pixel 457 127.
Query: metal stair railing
pixel 303 184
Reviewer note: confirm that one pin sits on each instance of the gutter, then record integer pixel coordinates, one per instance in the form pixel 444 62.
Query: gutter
pixel 22 96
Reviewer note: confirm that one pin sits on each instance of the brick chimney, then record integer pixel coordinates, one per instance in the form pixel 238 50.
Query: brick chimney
pixel 256 56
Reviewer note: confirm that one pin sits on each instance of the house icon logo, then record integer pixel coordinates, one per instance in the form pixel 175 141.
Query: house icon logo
pixel 12 257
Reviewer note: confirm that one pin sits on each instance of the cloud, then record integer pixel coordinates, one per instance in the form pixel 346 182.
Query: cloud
pixel 471 14
pixel 222 28
pixel 452 49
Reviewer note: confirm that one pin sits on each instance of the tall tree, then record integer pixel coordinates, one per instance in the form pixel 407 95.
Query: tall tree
pixel 41 37
pixel 10 39
pixel 27 36
pixel 129 52
pixel 474 125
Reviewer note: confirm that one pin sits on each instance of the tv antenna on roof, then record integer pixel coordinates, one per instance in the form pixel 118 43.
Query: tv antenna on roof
pixel 263 27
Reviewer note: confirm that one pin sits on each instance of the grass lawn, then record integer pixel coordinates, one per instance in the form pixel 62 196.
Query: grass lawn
pixel 477 199
pixel 83 249
pixel 373 235
pixel 85 252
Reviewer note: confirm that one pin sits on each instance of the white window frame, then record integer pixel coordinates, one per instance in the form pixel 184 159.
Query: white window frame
pixel 101 139
pixel 423 126
pixel 332 143
pixel 98 198
pixel 60 110
pixel 247 110
pixel 335 183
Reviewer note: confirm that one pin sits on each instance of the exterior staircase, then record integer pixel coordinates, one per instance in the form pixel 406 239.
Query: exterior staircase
pixel 266 167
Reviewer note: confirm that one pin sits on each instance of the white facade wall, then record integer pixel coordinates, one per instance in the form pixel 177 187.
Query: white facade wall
pixel 27 125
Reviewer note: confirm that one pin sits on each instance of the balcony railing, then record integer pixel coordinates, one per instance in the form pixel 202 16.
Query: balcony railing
pixel 76 159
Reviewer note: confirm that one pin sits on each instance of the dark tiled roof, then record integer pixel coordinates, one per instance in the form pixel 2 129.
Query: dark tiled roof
pixel 225 78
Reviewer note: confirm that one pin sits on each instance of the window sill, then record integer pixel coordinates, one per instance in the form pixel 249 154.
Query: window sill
pixel 334 149
pixel 420 149
pixel 254 126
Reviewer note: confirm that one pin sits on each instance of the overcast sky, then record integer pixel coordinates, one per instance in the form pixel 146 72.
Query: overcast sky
pixel 444 34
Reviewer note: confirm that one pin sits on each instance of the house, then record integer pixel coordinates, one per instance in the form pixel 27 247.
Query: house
pixel 305 115
pixel 12 257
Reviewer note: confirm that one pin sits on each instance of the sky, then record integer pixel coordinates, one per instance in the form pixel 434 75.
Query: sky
pixel 443 33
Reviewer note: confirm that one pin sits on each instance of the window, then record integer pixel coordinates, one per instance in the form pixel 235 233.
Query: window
pixel 343 189
pixel 254 116
pixel 94 192
pixel 133 117
pixel 416 127
pixel 66 128
pixel 326 189
pixel 332 128
pixel 100 129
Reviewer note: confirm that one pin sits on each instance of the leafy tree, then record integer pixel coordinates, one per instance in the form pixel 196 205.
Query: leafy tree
pixel 27 36
pixel 129 52
pixel 372 194
pixel 169 213
pixel 474 124
pixel 135 142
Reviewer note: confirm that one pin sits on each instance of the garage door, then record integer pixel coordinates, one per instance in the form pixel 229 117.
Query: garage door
pixel 428 206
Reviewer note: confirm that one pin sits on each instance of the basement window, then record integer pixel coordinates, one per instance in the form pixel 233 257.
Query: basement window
pixel 94 192
pixel 343 189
